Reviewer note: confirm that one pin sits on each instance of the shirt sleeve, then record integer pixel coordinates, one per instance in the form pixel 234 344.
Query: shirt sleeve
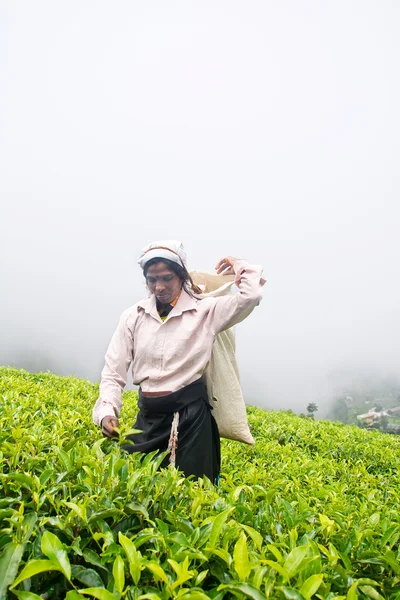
pixel 232 309
pixel 114 374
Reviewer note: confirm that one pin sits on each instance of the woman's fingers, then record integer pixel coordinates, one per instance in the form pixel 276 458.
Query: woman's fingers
pixel 225 265
pixel 108 426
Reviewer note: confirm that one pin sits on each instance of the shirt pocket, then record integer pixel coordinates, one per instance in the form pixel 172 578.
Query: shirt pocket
pixel 180 347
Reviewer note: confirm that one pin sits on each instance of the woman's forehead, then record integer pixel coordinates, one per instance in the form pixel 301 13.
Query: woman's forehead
pixel 159 268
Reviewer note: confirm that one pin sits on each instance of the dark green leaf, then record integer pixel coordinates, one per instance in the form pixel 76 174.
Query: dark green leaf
pixel 9 563
pixel 88 577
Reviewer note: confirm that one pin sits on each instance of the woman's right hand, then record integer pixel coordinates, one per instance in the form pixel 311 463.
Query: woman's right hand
pixel 225 266
pixel 108 425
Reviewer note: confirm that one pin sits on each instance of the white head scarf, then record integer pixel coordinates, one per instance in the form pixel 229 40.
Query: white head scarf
pixel 169 249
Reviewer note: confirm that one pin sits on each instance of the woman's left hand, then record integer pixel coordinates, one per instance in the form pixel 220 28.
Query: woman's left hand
pixel 225 266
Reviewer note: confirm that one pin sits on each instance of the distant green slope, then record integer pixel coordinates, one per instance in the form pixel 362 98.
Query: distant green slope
pixel 311 511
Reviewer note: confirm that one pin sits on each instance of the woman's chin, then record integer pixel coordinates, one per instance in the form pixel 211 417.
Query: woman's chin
pixel 163 299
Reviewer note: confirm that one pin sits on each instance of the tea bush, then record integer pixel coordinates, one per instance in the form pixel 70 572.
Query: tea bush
pixel 311 511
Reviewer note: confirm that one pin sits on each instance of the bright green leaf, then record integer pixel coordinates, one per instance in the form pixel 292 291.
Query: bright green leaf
pixel 259 575
pixel 73 595
pixel 9 563
pixel 352 592
pixel 133 555
pixel 217 525
pixel 64 459
pixel 54 550
pixel 34 567
pixel 200 577
pixel 222 553
pixel 27 595
pixel 158 571
pixel 194 595
pixel 79 510
pixel 274 550
pixel 390 558
pixel 277 568
pixel 99 593
pixel 255 535
pixel 371 592
pixel 241 558
pixel 291 593
pixel 244 588
pixel 119 574
pixel 389 533
pixel 311 585
pixel 295 560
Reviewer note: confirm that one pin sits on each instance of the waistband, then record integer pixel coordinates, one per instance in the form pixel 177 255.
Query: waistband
pixel 175 401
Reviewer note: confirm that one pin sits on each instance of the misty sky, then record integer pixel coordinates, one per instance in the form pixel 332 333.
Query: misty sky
pixel 267 130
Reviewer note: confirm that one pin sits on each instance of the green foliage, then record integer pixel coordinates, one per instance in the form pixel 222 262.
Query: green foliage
pixel 311 511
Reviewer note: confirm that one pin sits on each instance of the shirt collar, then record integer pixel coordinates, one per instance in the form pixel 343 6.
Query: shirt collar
pixel 176 299
pixel 184 303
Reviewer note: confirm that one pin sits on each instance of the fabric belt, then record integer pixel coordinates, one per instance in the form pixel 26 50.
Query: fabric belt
pixel 173 403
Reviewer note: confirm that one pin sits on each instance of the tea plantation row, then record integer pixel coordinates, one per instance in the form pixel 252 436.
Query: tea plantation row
pixel 312 511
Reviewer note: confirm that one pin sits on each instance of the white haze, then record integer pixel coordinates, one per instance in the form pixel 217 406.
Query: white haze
pixel 262 129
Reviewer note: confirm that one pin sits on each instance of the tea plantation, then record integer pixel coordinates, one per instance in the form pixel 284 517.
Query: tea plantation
pixel 311 511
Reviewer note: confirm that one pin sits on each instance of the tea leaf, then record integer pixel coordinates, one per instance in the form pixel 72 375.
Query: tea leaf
pixel 27 595
pixel 119 574
pixel 371 592
pixel 311 585
pixel 34 567
pixel 291 593
pixel 54 550
pixel 93 558
pixel 99 593
pixel 87 576
pixel 274 550
pixel 79 510
pixel 9 563
pixel 244 588
pixel 241 558
pixel 295 560
pixel 194 595
pixel 158 571
pixel 277 568
pixel 255 535
pixel 133 556
pixel 218 523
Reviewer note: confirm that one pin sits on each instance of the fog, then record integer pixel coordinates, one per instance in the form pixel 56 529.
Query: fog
pixel 263 130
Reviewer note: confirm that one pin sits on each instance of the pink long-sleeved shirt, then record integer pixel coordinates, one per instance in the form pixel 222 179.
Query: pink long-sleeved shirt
pixel 169 355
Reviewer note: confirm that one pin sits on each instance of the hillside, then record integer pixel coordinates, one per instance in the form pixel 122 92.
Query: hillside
pixel 312 511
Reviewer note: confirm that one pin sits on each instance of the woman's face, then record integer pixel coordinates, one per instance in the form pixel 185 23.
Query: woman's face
pixel 163 283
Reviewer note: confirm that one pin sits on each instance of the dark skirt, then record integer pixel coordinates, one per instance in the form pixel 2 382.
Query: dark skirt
pixel 198 451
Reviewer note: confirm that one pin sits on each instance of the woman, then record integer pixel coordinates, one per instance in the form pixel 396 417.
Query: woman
pixel 168 338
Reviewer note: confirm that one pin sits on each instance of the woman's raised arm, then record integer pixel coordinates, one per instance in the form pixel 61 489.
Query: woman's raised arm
pixel 234 308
